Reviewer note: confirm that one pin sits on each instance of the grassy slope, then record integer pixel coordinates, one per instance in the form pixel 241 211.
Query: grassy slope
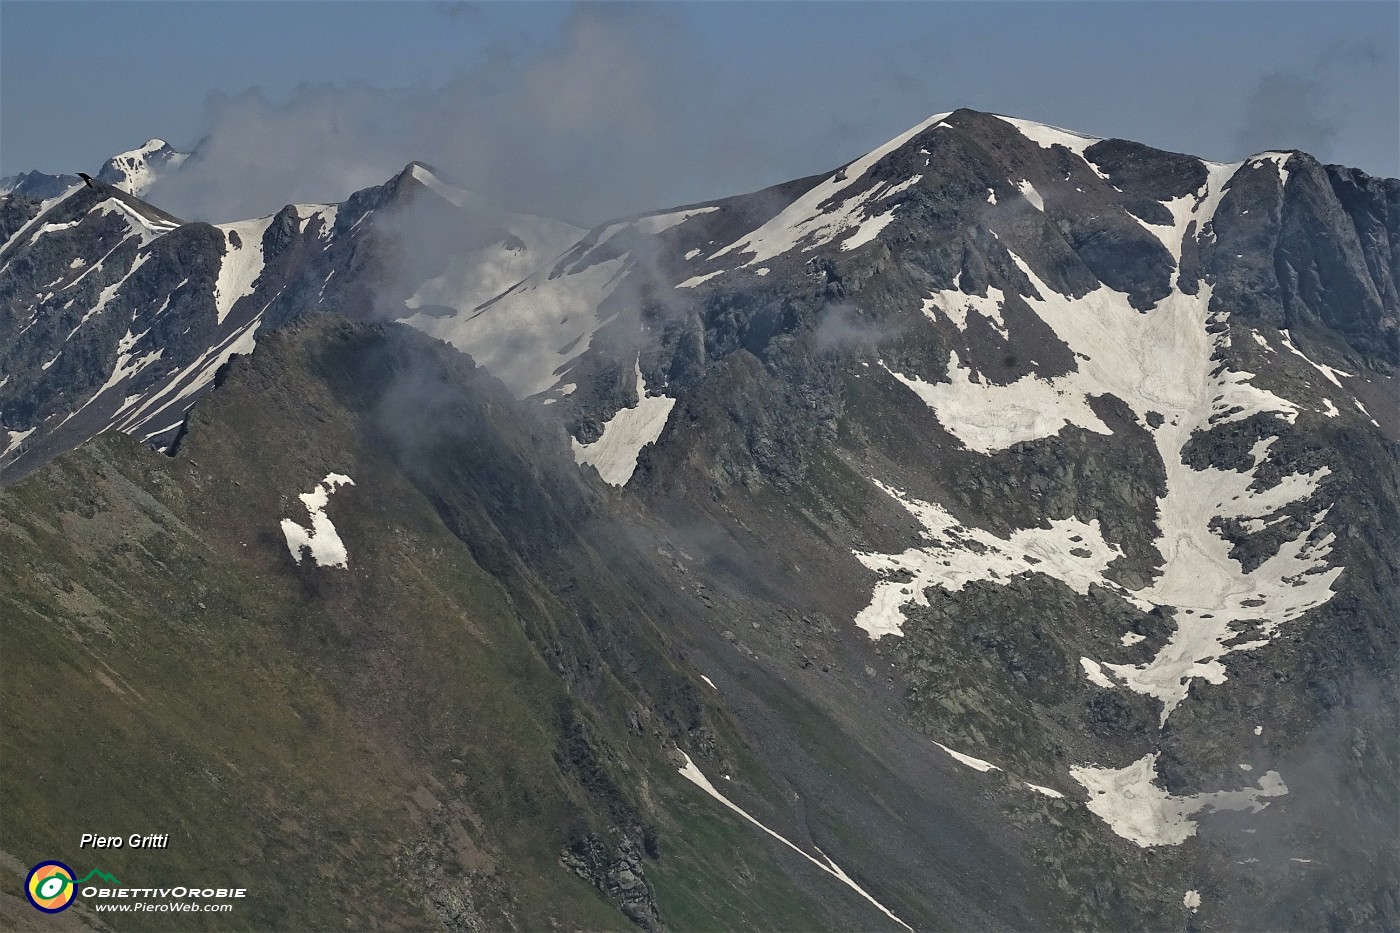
pixel 354 746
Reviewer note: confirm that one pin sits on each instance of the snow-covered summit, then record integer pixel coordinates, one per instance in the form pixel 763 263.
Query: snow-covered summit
pixel 135 170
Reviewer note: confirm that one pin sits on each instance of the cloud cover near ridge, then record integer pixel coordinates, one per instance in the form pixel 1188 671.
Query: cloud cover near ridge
pixel 611 120
pixel 626 109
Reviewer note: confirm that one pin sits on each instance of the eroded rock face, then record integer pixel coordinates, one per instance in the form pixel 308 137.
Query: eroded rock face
pixel 617 871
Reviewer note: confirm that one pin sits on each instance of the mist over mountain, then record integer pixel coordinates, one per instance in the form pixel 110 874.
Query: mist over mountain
pixel 990 532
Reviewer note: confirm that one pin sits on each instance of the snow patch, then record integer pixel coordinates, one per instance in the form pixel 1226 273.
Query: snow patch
pixel 950 555
pixel 1130 801
pixel 240 265
pixel 1030 194
pixel 695 280
pixel 15 439
pixel 1278 159
pixel 956 306
pixel 321 540
pixel 614 454
pixel 1095 673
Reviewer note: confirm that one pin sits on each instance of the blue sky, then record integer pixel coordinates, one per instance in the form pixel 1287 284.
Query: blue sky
pixel 590 110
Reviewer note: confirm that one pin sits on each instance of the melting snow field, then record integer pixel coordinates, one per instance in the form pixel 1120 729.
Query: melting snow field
pixel 695 776
pixel 321 540
pixel 241 264
pixel 1130 801
pixel 1164 364
pixel 1158 362
pixel 953 555
pixel 614 454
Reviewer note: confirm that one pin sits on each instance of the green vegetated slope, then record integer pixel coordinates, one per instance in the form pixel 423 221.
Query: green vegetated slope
pixel 430 737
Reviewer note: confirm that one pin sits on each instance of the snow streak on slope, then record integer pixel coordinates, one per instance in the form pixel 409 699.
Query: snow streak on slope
pixel 1199 205
pixel 1046 136
pixel 614 454
pixel 804 222
pixel 1327 371
pixel 321 540
pixel 1160 362
pixel 976 764
pixel 166 404
pixel 695 776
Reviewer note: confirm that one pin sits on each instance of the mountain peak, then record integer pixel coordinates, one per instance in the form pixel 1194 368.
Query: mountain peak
pixel 135 170
pixel 426 176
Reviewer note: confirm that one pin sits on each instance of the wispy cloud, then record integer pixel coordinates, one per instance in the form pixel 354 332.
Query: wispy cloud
pixel 1307 107
pixel 612 119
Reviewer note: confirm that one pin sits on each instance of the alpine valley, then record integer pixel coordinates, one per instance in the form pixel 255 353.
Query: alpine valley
pixel 994 532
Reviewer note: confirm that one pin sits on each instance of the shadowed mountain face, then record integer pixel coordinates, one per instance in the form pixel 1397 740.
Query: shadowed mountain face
pixel 1023 499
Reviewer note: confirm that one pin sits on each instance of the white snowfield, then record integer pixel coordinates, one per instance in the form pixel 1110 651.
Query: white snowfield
pixel 951 555
pixel 1130 801
pixel 1046 136
pixel 537 323
pixel 321 540
pixel 241 264
pixel 479 275
pixel 956 306
pixel 1165 366
pixel 1159 362
pixel 695 776
pixel 614 454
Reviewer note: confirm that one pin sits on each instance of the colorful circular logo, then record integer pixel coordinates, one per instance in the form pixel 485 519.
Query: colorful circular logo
pixel 50 887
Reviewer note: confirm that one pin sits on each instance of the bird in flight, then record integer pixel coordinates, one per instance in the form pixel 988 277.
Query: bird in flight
pixel 87 179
